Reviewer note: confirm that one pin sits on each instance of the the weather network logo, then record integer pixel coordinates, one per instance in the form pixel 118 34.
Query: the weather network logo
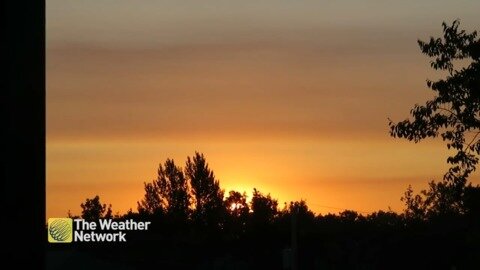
pixel 60 230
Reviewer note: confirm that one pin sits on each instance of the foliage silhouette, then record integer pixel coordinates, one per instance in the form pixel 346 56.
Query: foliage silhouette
pixel 168 194
pixel 238 211
pixel 256 235
pixel 151 202
pixel 206 191
pixel 93 209
pixel 237 205
pixel 264 208
pixel 453 113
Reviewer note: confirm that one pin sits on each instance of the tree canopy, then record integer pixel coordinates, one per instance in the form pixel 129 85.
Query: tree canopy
pixel 93 209
pixel 206 190
pixel 168 194
pixel 453 114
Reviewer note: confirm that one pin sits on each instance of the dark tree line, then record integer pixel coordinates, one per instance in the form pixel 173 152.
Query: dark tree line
pixel 196 226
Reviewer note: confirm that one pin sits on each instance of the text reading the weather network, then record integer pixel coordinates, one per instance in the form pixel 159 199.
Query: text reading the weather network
pixel 108 224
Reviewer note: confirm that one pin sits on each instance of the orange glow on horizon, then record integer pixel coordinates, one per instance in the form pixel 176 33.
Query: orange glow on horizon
pixel 116 171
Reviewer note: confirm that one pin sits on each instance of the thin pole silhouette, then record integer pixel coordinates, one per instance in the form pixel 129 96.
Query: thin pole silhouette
pixel 294 240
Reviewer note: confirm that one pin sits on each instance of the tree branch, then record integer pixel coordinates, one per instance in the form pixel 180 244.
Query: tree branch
pixel 467 148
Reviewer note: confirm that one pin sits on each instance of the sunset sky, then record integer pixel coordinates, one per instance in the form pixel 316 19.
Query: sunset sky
pixel 290 97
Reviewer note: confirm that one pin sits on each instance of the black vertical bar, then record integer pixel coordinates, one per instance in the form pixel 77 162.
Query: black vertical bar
pixel 23 130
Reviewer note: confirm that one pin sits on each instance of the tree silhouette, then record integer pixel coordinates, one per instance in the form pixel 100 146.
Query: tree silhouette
pixel 151 202
pixel 93 209
pixel 168 194
pixel 264 208
pixel 300 208
pixel 206 191
pixel 236 204
pixel 453 113
pixel 415 205
pixel 237 212
pixel 234 234
pixel 173 189
pixel 349 216
pixel 385 219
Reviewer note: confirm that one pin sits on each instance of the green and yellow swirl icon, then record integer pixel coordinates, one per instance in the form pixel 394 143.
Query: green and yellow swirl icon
pixel 60 230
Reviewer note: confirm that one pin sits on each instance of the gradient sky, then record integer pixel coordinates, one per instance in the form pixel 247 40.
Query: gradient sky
pixel 290 97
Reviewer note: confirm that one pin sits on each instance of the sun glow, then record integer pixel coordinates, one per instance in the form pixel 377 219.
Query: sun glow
pixel 235 206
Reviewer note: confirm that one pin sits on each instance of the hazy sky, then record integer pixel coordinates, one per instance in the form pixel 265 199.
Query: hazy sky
pixel 291 97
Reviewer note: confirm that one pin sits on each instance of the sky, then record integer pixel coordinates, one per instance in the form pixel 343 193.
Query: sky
pixel 289 97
